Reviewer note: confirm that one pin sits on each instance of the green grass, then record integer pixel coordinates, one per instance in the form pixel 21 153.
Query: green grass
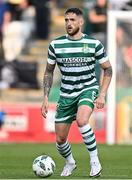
pixel 16 161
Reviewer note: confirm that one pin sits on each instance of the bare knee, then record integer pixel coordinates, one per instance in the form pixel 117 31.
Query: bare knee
pixel 81 122
pixel 83 115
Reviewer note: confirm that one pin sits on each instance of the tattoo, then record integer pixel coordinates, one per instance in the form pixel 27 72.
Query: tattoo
pixel 48 79
pixel 47 84
pixel 108 71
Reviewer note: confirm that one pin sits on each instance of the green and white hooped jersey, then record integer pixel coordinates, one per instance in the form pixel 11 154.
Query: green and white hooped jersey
pixel 76 61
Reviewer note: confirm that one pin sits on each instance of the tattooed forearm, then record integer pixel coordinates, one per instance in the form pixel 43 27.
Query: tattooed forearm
pixel 48 79
pixel 108 71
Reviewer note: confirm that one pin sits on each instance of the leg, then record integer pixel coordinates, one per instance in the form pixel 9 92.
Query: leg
pixel 62 130
pixel 64 148
pixel 83 115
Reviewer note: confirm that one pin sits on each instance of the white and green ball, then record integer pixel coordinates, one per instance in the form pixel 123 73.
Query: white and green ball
pixel 43 166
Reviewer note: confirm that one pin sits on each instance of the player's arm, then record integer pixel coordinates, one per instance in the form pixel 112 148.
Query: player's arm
pixel 107 75
pixel 48 78
pixel 47 83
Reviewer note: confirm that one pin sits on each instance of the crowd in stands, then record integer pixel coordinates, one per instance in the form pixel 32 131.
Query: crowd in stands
pixel 20 20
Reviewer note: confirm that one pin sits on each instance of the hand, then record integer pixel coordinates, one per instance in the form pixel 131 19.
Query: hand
pixel 100 101
pixel 44 108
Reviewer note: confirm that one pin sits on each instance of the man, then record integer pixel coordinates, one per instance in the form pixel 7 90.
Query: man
pixel 75 54
pixel 42 20
pixel 98 20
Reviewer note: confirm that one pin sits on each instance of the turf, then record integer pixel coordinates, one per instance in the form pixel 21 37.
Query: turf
pixel 16 161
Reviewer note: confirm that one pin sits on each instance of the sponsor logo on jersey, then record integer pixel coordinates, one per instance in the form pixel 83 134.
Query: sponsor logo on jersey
pixel 76 61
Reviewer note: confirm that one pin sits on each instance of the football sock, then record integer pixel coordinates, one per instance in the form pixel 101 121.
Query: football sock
pixel 90 141
pixel 65 151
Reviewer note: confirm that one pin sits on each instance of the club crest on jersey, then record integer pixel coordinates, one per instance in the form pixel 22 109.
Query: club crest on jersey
pixel 85 48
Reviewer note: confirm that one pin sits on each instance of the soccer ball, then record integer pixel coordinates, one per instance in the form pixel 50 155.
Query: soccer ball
pixel 43 166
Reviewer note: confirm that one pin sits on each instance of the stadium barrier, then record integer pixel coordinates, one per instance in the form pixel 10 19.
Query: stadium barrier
pixel 24 123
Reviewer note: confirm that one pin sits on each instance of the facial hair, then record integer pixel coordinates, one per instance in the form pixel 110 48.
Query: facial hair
pixel 74 32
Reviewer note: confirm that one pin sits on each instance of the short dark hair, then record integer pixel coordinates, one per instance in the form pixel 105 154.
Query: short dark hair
pixel 76 11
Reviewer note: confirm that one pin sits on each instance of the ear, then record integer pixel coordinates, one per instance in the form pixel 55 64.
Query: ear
pixel 81 21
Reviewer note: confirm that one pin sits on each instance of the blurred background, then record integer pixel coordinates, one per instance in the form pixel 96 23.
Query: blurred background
pixel 26 29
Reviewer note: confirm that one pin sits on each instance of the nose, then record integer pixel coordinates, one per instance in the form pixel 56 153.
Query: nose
pixel 68 23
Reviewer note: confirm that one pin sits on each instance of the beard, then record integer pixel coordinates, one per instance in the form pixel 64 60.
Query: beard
pixel 74 32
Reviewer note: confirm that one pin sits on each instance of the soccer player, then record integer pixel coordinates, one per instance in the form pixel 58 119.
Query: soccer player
pixel 75 54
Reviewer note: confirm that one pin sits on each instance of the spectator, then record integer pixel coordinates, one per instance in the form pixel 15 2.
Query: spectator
pixel 18 31
pixel 98 20
pixel 42 18
pixel 87 6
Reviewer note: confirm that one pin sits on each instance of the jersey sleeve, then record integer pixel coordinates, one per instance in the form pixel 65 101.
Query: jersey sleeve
pixel 51 54
pixel 100 53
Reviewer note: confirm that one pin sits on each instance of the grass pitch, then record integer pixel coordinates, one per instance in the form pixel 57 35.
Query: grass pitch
pixel 16 161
